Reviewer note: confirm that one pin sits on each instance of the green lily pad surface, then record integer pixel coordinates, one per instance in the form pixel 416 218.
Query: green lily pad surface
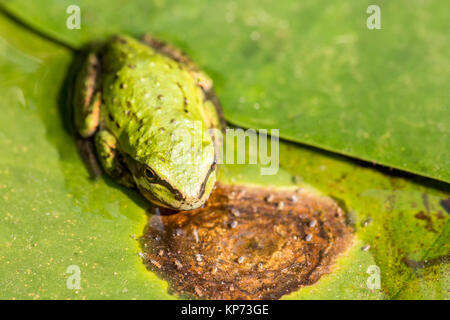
pixel 312 69
pixel 54 216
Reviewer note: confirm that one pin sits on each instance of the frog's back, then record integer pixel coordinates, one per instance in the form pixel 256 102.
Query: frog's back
pixel 151 103
pixel 147 91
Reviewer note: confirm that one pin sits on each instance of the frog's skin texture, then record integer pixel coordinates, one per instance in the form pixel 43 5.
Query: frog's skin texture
pixel 139 102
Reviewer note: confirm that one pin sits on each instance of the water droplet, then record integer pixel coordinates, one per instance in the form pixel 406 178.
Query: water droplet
pixel 280 205
pixel 178 264
pixel 195 232
pixel 269 198
pixel 366 222
pixel 235 212
pixel 155 263
pixel 198 291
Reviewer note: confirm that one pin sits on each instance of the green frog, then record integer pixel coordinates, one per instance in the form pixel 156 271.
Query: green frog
pixel 149 111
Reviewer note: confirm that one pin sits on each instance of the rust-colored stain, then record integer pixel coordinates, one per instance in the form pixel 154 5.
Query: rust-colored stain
pixel 246 243
pixel 420 264
pixel 429 223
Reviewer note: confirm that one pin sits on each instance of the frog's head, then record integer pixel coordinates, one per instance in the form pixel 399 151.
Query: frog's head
pixel 173 182
pixel 163 191
pixel 161 121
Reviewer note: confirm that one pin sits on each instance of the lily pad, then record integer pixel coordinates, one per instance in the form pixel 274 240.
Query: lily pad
pixel 54 216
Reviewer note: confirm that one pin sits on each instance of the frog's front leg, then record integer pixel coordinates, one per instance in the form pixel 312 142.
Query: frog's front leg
pixel 111 159
pixel 87 97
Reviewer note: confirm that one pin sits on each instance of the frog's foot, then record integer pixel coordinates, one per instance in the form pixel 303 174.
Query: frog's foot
pixel 111 159
pixel 87 97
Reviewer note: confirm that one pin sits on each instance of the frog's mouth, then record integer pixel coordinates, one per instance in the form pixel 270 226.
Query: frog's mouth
pixel 155 200
pixel 178 204
pixel 177 199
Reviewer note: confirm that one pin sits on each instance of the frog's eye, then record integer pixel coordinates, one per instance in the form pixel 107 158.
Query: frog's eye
pixel 150 174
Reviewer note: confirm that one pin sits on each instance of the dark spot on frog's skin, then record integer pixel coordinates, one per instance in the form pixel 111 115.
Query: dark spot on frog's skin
pixel 161 129
pixel 122 40
pixel 185 100
pixel 172 121
pixel 132 66
pixel 123 86
pixel 113 120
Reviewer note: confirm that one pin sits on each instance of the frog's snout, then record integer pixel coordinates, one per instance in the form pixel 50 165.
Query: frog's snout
pixel 165 195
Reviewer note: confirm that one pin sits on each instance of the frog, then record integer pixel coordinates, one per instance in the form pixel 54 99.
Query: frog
pixel 151 115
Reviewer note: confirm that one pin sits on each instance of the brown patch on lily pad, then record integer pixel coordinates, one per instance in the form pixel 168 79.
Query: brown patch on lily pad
pixel 247 243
